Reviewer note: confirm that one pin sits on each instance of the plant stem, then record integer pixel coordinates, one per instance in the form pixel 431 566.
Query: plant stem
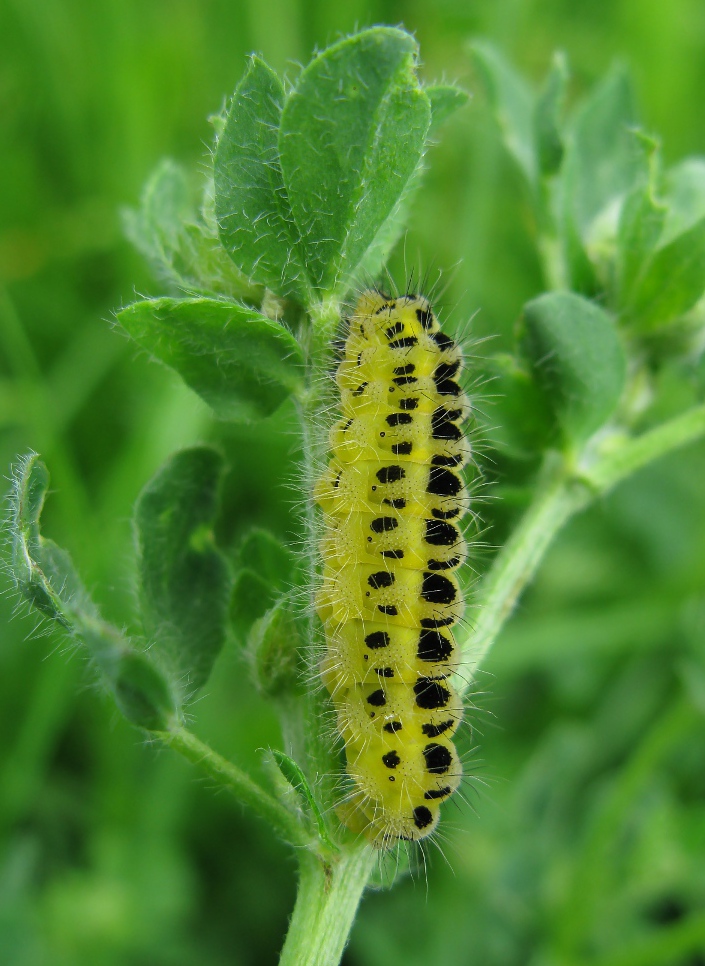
pixel 245 789
pixel 321 759
pixel 326 904
pixel 613 468
pixel 560 494
pixel 557 498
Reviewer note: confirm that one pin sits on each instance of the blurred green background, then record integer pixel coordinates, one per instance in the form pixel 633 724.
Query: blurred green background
pixel 583 838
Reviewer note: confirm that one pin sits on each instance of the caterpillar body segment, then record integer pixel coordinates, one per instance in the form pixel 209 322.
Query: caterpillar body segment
pixel 393 496
pixel 382 485
pixel 408 597
pixel 375 538
pixel 374 652
pixel 434 438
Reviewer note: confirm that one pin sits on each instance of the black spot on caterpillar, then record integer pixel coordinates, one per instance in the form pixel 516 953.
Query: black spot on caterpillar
pixel 441 534
pixel 394 624
pixel 390 474
pixel 433 646
pixel 431 694
pixel 438 759
pixel 381 579
pixel 437 589
pixel 399 419
pixel 406 343
pixel 391 759
pixel 434 730
pixel 442 482
pixel 423 817
pixel 378 639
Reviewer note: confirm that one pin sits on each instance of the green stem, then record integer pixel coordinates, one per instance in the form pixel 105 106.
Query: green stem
pixel 559 495
pixel 557 498
pixel 326 904
pixel 613 468
pixel 240 784
pixel 321 759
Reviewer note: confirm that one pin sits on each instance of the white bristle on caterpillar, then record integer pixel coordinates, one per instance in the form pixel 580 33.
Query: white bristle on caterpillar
pixel 392 497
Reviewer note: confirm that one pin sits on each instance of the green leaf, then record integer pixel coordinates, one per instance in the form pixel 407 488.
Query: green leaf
pixel 47 580
pixel 352 136
pixel 273 646
pixel 684 194
pixel 141 691
pixel 547 124
pixel 672 282
pixel 43 573
pixel 184 580
pixel 512 101
pixel 604 160
pixel 177 241
pixel 640 227
pixel 265 554
pixel 241 363
pixel 520 420
pixel 267 569
pixel 298 781
pixel 577 359
pixel 445 100
pixel 251 597
pixel 164 206
pixel 253 214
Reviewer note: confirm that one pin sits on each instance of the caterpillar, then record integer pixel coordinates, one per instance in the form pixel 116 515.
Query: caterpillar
pixel 392 497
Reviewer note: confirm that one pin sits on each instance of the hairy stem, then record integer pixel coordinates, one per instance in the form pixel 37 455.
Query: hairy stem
pixel 676 432
pixel 557 498
pixel 327 900
pixel 559 495
pixel 314 414
pixel 244 788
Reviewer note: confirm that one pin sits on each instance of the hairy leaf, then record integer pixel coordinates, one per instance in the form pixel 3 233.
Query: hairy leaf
pixel 185 582
pixel 267 568
pixel 445 100
pixel 684 194
pixel 252 209
pixel 176 239
pixel 577 359
pixel 672 282
pixel 604 159
pixel 241 363
pixel 273 644
pixel 640 227
pixel 547 124
pixel 352 136
pixel 298 781
pixel 512 101
pixel 47 580
pixel 520 421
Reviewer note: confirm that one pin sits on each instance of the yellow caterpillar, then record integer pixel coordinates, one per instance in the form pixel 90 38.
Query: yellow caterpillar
pixel 392 497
